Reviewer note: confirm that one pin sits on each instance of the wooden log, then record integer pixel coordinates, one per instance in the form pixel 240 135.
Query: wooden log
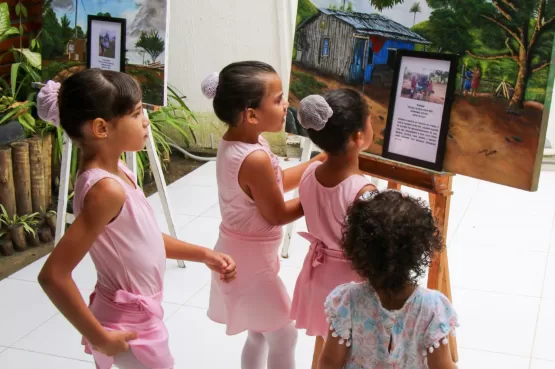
pixel 37 175
pixel 7 191
pixel 47 165
pixel 22 177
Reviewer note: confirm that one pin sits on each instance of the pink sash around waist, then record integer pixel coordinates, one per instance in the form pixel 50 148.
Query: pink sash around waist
pixel 126 311
pixel 319 253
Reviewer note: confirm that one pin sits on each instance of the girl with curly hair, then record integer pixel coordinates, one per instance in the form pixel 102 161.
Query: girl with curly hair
pixel 388 321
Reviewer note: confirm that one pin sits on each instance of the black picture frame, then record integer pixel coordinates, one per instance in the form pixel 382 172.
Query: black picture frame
pixel 122 23
pixel 437 165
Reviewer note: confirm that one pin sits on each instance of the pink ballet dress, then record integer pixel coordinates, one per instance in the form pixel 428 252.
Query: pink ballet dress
pixel 130 261
pixel 257 300
pixel 324 267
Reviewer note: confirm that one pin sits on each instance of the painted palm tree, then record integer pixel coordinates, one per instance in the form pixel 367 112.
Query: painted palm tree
pixel 415 8
pixel 151 43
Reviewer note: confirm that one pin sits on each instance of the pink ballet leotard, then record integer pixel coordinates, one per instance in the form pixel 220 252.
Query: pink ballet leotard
pixel 324 267
pixel 130 261
pixel 257 300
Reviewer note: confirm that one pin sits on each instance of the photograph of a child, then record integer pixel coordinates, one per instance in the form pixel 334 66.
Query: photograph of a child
pixel 425 84
pixel 107 44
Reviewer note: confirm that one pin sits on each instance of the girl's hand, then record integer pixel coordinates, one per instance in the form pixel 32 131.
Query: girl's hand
pixel 115 342
pixel 221 263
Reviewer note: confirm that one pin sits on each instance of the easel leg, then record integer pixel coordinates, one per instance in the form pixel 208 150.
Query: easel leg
pixel 318 348
pixel 438 275
pixel 131 161
pixel 161 185
pixel 62 191
pixel 305 156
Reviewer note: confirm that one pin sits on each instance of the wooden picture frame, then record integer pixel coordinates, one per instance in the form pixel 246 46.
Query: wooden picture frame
pixel 418 119
pixel 106 39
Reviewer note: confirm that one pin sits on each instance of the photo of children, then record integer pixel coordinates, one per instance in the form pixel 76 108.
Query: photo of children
pixel 107 44
pixel 425 84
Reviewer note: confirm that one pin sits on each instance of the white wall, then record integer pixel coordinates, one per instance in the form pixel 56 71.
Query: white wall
pixel 205 36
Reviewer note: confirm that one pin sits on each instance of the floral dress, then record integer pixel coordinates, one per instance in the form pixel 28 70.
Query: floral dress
pixel 384 339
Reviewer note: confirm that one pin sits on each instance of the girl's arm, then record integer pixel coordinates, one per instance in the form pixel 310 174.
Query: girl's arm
pixel 334 355
pixel 292 176
pixel 258 180
pixel 218 262
pixel 441 358
pixel 102 204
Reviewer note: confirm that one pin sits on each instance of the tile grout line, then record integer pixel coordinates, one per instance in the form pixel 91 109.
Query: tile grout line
pixel 33 330
pixel 52 355
pixel 551 239
pixel 463 214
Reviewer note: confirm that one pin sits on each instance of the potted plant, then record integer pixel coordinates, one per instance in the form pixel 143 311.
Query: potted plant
pixel 18 227
pixel 6 246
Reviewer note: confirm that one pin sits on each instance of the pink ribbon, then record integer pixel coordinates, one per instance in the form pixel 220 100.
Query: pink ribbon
pixel 317 249
pixel 149 304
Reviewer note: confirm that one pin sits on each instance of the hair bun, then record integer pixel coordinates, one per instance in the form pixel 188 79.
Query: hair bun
pixel 210 85
pixel 314 112
pixel 47 103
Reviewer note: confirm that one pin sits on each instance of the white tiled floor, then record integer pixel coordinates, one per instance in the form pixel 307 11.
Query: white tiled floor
pixel 501 256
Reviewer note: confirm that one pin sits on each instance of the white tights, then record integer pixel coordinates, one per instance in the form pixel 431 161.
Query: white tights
pixel 276 349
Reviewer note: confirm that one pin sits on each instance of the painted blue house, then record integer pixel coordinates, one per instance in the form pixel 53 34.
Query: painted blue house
pixel 356 47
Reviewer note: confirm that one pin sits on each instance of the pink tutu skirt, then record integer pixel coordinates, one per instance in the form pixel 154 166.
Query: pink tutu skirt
pixel 257 299
pixel 323 270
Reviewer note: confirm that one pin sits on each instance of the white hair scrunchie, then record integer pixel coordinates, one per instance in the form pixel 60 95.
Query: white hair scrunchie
pixel 47 103
pixel 314 112
pixel 210 85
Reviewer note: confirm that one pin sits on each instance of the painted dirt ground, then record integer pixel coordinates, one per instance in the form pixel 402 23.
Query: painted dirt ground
pixel 484 141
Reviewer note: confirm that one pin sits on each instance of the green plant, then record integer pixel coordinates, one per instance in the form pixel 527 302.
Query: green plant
pixel 176 118
pixel 17 97
pixel 6 30
pixel 18 226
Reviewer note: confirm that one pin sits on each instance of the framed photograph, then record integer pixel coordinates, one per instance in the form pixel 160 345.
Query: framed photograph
pixel 106 43
pixel 420 107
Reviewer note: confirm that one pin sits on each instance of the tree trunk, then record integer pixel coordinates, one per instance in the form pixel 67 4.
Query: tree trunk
pixel 517 101
pixel 47 155
pixel 37 175
pixel 18 238
pixel 22 177
pixel 7 191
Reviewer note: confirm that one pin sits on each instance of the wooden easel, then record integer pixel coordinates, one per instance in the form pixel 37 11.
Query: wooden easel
pixel 64 218
pixel 439 188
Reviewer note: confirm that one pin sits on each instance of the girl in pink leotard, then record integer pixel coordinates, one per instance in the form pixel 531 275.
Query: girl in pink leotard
pixel 248 97
pixel 339 123
pixel 102 112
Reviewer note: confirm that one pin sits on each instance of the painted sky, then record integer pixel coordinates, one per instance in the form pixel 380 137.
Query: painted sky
pixel 399 13
pixel 140 15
